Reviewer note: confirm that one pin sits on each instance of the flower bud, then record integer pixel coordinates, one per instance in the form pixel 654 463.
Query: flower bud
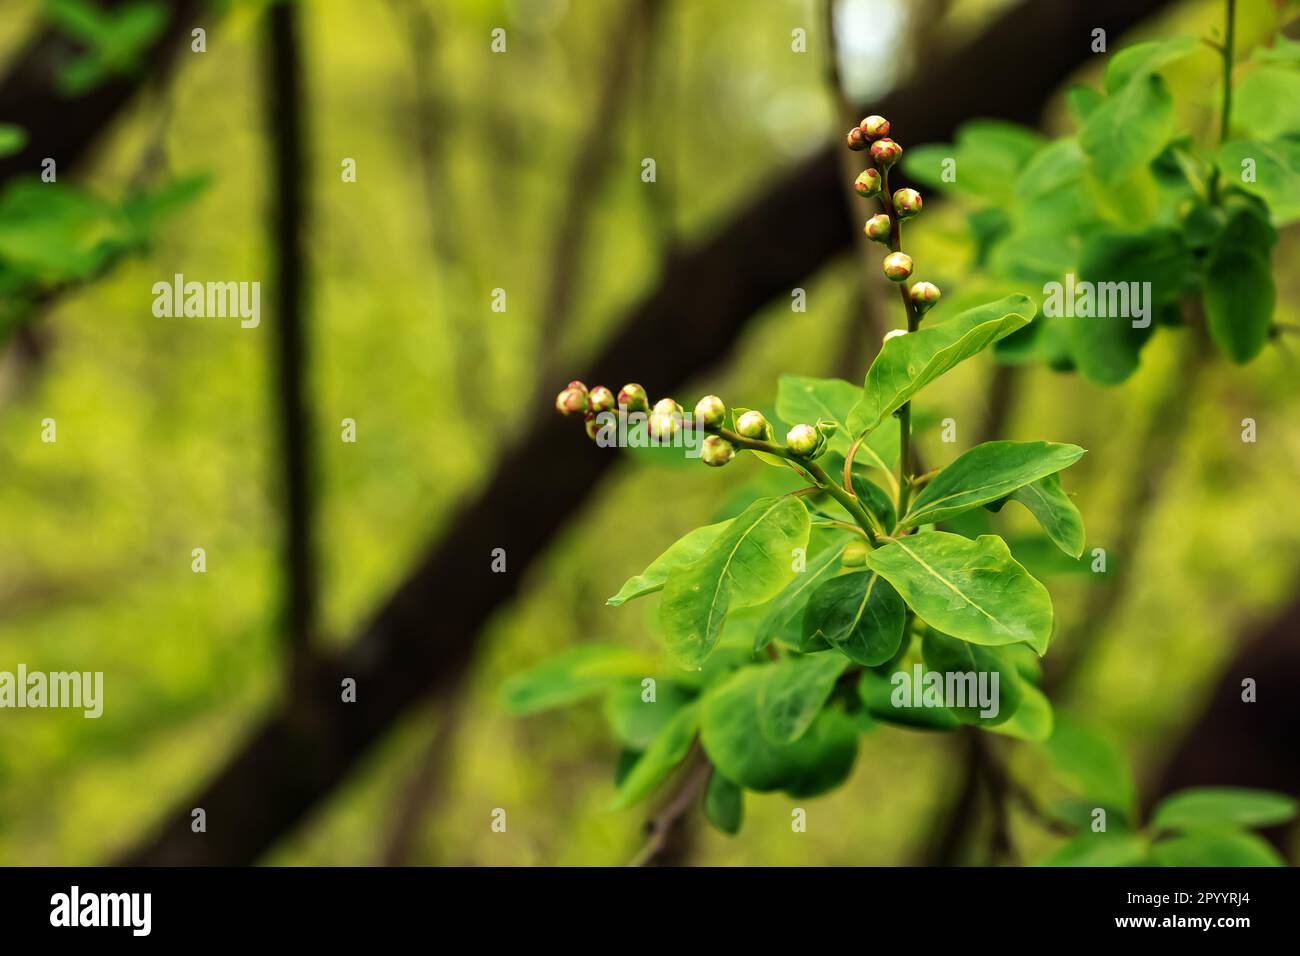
pixel 601 399
pixel 578 385
pixel 898 266
pixel 572 401
pixel 878 228
pixel 868 183
pixel 874 127
pixel 856 140
pixel 854 554
pixel 716 451
pixel 666 418
pixel 885 152
pixel 711 411
pixel 634 397
pixel 752 425
pixel 924 296
pixel 593 426
pixel 802 440
pixel 907 203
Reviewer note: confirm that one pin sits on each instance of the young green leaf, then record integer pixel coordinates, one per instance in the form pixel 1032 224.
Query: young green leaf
pixel 1099 849
pixel 665 752
pixel 800 399
pixel 1143 59
pixel 875 499
pixel 684 551
pixel 986 473
pixel 575 674
pixel 1267 102
pixel 883 698
pixel 1216 848
pixel 1048 502
pixel 818 761
pixel 972 590
pixel 794 693
pixel 1033 719
pixel 858 614
pixel 785 612
pixel 635 722
pixel 984 679
pixel 1092 764
pixel 1239 289
pixel 748 564
pixel 1219 806
pixel 724 804
pixel 1269 169
pixel 1130 129
pixel 907 363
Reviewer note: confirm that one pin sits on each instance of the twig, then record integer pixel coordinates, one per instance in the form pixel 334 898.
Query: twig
pixel 661 825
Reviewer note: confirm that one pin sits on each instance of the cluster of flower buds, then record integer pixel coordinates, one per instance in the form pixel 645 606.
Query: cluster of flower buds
pixel 873 134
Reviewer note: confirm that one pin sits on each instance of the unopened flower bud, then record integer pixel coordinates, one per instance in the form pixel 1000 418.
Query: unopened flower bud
pixel 874 127
pixel 802 440
pixel 601 399
pixel 885 152
pixel 666 418
pixel 878 228
pixel 571 401
pixel 711 411
pixel 907 203
pixel 593 425
pixel 752 425
pixel 716 451
pixel 898 266
pixel 854 554
pixel 578 385
pixel 924 296
pixel 634 398
pixel 856 139
pixel 868 183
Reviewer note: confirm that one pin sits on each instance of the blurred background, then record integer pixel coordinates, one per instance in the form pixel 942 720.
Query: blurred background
pixel 523 171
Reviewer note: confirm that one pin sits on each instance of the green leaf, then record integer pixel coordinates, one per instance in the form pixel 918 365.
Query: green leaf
pixel 1142 59
pixel 1092 764
pixel 972 590
pixel 1099 849
pixel 1216 806
pixel 859 615
pixel 1267 102
pixel 1239 290
pixel 1216 848
pixel 1082 102
pixel 984 678
pixel 1033 719
pixel 724 804
pixel 684 551
pixel 748 564
pixel 1129 130
pixel 794 693
pixel 665 752
pixel 818 761
pixel 987 154
pixel 878 692
pixel 785 614
pixel 12 139
pixel 875 499
pixel 634 721
pixel 986 473
pixel 575 674
pixel 907 363
pixel 1103 340
pixel 1048 502
pixel 1270 170
pixel 800 399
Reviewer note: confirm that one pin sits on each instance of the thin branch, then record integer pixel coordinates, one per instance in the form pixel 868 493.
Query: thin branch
pixel 661 825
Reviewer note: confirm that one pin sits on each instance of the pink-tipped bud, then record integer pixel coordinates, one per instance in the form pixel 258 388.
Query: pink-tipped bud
pixel 856 140
pixel 874 127
pixel 572 401
pixel 578 385
pixel 634 398
pixel 885 152
pixel 601 399
pixel 898 266
pixel 924 296
pixel 867 184
pixel 666 418
pixel 711 410
pixel 716 451
pixel 907 203
pixel 878 228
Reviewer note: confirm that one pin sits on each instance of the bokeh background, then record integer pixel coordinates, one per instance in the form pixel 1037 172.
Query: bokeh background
pixel 470 167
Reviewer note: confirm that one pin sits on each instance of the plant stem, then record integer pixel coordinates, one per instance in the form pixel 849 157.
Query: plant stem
pixel 1230 29
pixel 913 320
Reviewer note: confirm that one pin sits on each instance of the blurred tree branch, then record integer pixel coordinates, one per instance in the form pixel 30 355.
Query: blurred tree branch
pixel 682 327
